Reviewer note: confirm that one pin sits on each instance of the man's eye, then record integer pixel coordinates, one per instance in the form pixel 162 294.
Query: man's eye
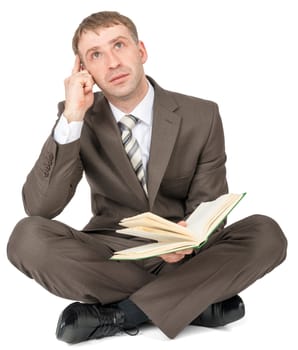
pixel 119 45
pixel 95 55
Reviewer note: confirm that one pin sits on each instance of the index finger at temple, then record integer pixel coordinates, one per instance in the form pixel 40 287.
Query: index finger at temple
pixel 77 65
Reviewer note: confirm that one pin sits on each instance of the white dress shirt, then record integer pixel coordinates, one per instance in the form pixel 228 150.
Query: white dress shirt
pixel 68 132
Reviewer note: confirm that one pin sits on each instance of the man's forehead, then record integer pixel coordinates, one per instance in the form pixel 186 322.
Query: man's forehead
pixel 102 36
pixel 106 32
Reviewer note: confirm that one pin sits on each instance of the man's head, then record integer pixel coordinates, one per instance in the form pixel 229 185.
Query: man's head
pixel 109 49
pixel 103 19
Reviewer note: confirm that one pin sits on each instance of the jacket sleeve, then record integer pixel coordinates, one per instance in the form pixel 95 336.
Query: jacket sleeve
pixel 209 181
pixel 53 179
pixel 52 182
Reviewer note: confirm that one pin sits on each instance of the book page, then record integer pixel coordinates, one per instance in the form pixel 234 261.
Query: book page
pixel 152 249
pixel 209 215
pixel 155 234
pixel 155 222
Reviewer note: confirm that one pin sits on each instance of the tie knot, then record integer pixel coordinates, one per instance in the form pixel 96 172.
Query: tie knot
pixel 129 121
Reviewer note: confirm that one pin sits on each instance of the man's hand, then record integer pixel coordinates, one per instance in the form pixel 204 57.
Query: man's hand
pixel 79 96
pixel 179 255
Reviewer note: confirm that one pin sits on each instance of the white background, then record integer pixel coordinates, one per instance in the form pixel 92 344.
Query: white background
pixel 241 54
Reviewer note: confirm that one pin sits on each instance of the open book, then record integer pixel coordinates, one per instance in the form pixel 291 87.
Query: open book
pixel 171 237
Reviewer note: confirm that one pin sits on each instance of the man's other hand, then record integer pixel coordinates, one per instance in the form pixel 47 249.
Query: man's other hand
pixel 179 255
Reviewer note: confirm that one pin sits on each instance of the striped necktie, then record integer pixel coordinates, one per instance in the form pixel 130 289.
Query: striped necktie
pixel 132 148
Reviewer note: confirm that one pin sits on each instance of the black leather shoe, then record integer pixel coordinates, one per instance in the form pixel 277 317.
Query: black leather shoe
pixel 222 313
pixel 80 322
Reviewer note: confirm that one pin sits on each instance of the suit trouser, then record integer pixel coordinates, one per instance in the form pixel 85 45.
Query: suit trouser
pixel 75 265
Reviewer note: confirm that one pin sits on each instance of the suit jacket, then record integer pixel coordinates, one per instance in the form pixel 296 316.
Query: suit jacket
pixel 186 164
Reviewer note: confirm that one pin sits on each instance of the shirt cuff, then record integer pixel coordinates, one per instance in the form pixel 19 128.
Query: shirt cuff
pixel 66 132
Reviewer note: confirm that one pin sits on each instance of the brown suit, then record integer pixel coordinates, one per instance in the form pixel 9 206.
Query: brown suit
pixel 186 166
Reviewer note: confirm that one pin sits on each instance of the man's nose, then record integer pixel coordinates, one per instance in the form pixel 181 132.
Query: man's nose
pixel 112 60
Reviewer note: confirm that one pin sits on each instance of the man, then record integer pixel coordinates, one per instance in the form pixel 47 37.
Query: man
pixel 142 148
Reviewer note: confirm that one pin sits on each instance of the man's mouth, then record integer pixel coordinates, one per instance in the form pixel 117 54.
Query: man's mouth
pixel 118 78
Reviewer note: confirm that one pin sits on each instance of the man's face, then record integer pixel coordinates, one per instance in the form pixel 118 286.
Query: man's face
pixel 114 60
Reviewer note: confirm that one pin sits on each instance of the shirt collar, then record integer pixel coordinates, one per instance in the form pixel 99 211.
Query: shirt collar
pixel 143 111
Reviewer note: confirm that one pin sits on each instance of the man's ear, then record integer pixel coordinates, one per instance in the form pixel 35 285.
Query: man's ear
pixel 82 67
pixel 143 51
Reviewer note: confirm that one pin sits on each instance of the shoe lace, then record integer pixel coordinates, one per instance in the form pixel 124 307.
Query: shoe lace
pixel 111 324
pixel 132 331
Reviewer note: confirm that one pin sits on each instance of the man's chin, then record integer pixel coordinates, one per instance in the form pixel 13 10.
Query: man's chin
pixel 121 93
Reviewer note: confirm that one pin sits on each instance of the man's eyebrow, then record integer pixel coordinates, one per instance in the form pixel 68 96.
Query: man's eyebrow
pixel 94 48
pixel 120 37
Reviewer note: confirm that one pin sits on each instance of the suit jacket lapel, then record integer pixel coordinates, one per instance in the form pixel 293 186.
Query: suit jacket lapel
pixel 165 130
pixel 108 134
